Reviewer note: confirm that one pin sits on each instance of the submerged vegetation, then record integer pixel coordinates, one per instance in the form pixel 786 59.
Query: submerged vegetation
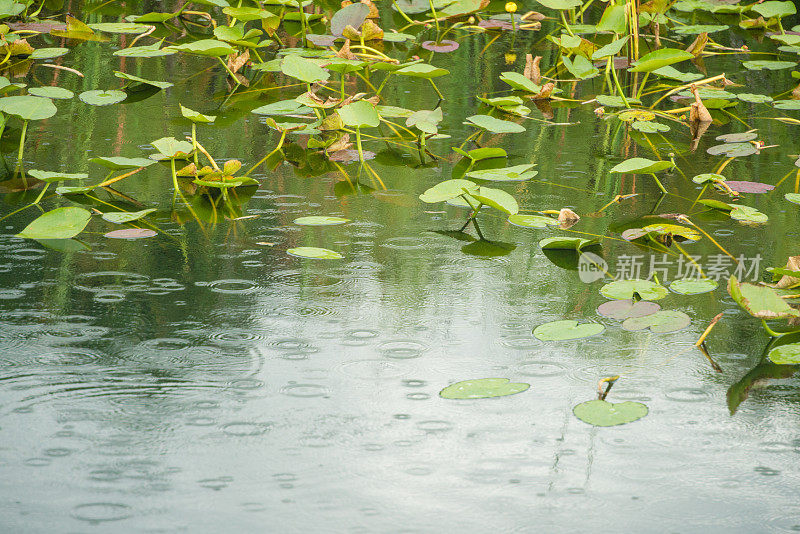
pixel 649 71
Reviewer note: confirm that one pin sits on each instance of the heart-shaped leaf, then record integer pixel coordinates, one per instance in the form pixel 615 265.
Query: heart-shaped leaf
pixel 761 302
pixel 604 413
pixel 483 388
pixel 532 221
pixel 60 223
pixel 360 114
pixel 661 322
pixel 641 166
pixel 625 289
pixel 660 58
pixel 118 163
pixel 495 125
pixel 447 190
pixel 303 69
pixel 28 108
pixel 496 198
pixel 566 330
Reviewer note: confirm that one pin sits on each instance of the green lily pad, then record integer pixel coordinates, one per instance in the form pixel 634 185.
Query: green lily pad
pixel 695 29
pixel 604 413
pixel 625 289
pixel 641 166
pixel 774 8
pixel 520 82
pixel 60 223
pixel 674 74
pixel 153 50
pixel 649 127
pixel 28 108
pixel 693 286
pixel 788 354
pixel 761 302
pixel 118 163
pixel 303 69
pixel 560 4
pixel 765 64
pixel 314 253
pixel 422 70
pixel 792 197
pixel 319 220
pixel 169 147
pixel 566 330
pixel 120 27
pixel 360 114
pixel 283 107
pixel 141 81
pixel 660 58
pixel 615 101
pixel 102 98
pixel 708 177
pixel 479 154
pixel 122 217
pixel 48 53
pixel 494 125
pixel 748 214
pixel 661 322
pixel 754 98
pixel 496 198
pixel 627 308
pixel 566 243
pixel 447 190
pixel 206 47
pixel 483 388
pixel 50 177
pixel 733 150
pixel 532 221
pixel 789 105
pixel 195 116
pixel 59 93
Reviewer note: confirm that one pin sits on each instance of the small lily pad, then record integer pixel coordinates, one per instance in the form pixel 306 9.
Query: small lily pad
pixel 625 289
pixel 566 243
pixel 792 197
pixel 661 322
pixel 789 105
pixel 788 354
pixel 131 233
pixel 764 64
pixel 495 125
pixel 516 173
pixel 693 286
pixel 566 330
pixel 102 98
pixel 747 214
pixel 483 388
pixel 649 127
pixel 532 221
pixel 627 308
pixel 121 217
pixel 318 220
pixel 442 46
pixel 59 93
pixel 749 187
pixel 314 253
pixel 708 177
pixel 604 413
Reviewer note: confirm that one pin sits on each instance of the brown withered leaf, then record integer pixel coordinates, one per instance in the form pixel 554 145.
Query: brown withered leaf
pixel 343 143
pixel 698 112
pixel 369 30
pixel 236 62
pixel 698 45
pixel 544 94
pixel 567 218
pixel 344 52
pixel 786 281
pixel 532 68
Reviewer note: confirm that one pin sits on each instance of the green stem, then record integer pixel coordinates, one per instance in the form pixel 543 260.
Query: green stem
pixel 641 87
pixel 22 143
pixel 44 190
pixel 358 143
pixel 174 179
pixel 658 182
pixel 435 17
pixel 564 22
pixel 194 146
pixel 770 331
pixel 265 158
pixel 617 84
pixel 441 96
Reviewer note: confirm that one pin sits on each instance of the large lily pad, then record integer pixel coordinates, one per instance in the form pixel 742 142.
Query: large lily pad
pixel 361 114
pixel 788 354
pixel 483 388
pixel 495 125
pixel 566 330
pixel 760 301
pixel 693 286
pixel 641 166
pixel 60 223
pixel 28 108
pixel 604 413
pixel 625 289
pixel 660 58
pixel 99 97
pixel 661 322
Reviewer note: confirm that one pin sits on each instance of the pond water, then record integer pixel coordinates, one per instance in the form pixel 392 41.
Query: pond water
pixel 205 381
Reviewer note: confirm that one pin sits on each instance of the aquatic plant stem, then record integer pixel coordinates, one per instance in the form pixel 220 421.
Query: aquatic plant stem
pixel 770 332
pixel 402 14
pixel 435 17
pixel 265 158
pixel 22 143
pixel 617 84
pixel 194 145
pixel 658 182
pixel 564 22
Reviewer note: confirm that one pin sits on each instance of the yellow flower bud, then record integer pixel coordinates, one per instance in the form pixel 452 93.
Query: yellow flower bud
pixel 511 58
pixel 511 7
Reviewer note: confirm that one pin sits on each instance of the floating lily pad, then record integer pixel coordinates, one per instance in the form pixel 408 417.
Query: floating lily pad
pixel 749 187
pixel 660 58
pixel 49 176
pixel 636 115
pixel 627 308
pixel 661 322
pixel 495 125
pixel 532 221
pixel 625 289
pixel 119 163
pixel 641 165
pixel 566 243
pixel 28 108
pixel 792 197
pixel 48 53
pixel 102 98
pixel 483 388
pixel 59 93
pixel 121 217
pixel 479 154
pixel 604 413
pixel 709 177
pixel 754 98
pixel 761 302
pixel 649 127
pixel 318 220
pixel 748 214
pixel 789 105
pixel 516 173
pixel 141 81
pixel 131 233
pixel 443 46
pixel 314 253
pixel 695 29
pixel 60 223
pixel 693 286
pixel 615 101
pixel 566 330
pixel 733 150
pixel 764 64
pixel 788 354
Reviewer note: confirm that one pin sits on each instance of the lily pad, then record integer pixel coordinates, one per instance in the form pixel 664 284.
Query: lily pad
pixel 495 125
pixel 361 114
pixel 566 330
pixel 792 197
pixel 532 221
pixel 733 150
pixel 649 127
pixel 516 173
pixel 58 93
pixel 314 253
pixel 118 163
pixel 660 58
pixel 60 223
pixel 747 214
pixel 131 233
pixel 121 217
pixel 102 98
pixel 749 187
pixel 760 301
pixel 141 81
pixel 661 322
pixel 788 354
pixel 625 289
pixel 789 105
pixel 764 64
pixel 693 286
pixel 483 388
pixel 708 177
pixel 318 220
pixel 48 53
pixel 604 413
pixel 443 46
pixel 28 108
pixel 50 177
pixel 566 243
pixel 641 166
pixel 627 308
